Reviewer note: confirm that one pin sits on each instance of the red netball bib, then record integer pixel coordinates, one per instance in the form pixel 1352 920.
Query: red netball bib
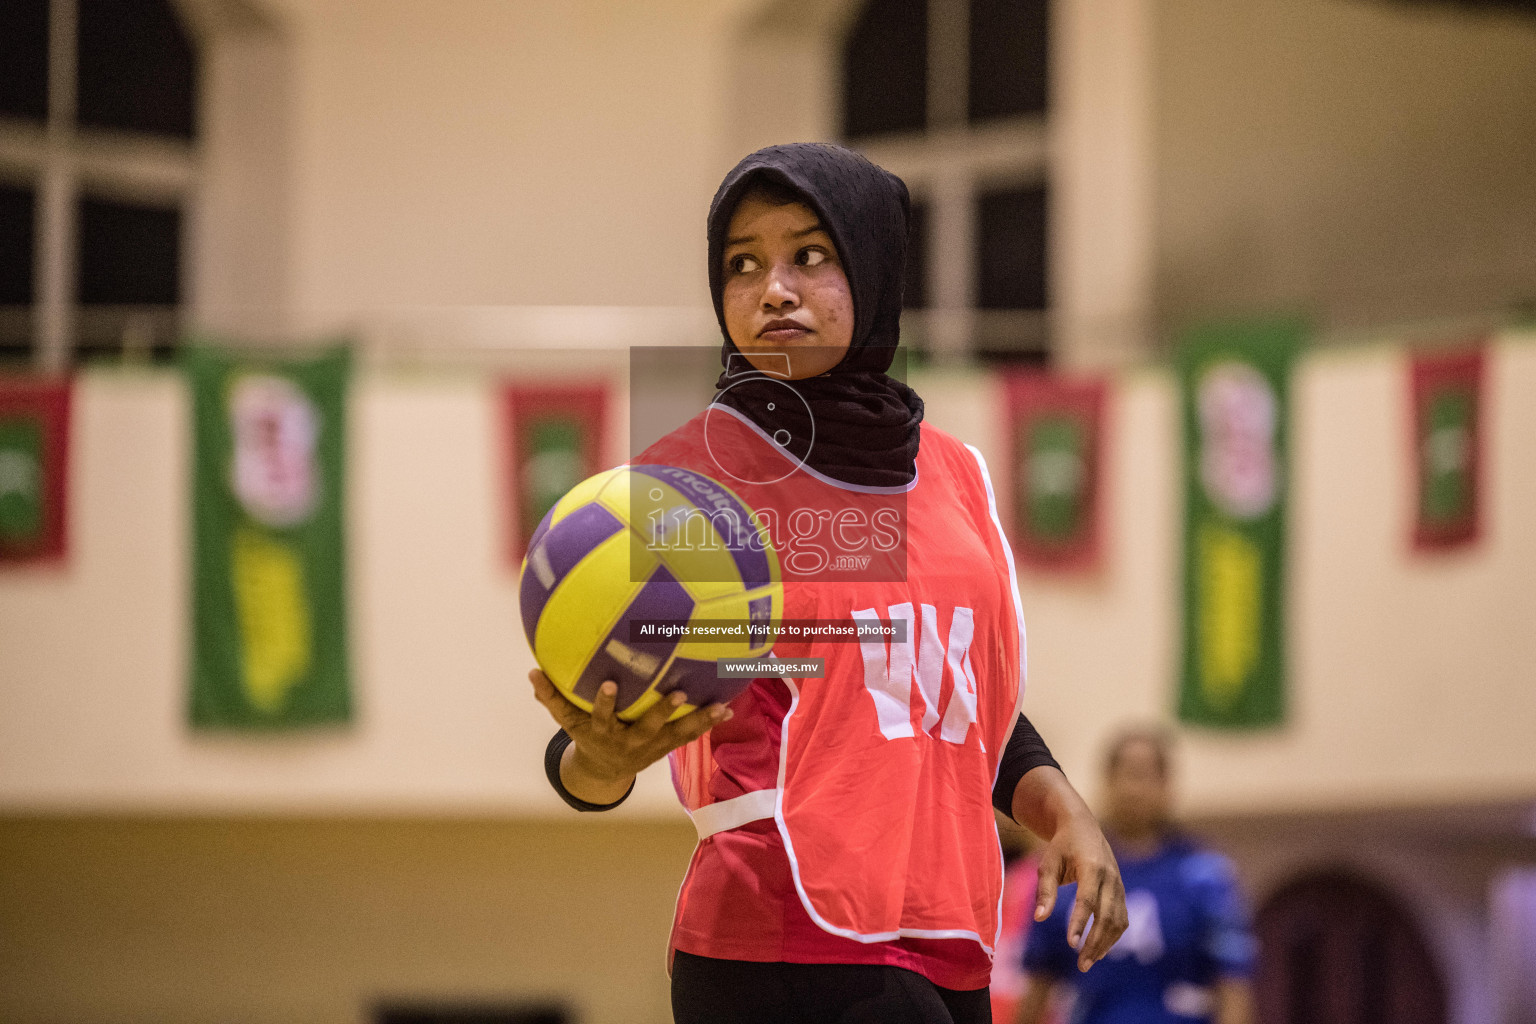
pixel 885 765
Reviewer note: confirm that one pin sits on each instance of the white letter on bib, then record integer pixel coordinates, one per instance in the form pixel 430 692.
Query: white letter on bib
pixel 962 700
pixel 889 683
pixel 891 672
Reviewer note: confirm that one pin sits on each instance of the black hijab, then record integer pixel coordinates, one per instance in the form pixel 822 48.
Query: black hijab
pixel 864 422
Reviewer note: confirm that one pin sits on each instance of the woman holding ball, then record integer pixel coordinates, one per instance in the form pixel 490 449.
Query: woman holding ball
pixel 848 867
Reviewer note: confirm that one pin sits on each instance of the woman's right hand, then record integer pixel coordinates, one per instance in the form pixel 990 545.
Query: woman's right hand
pixel 606 753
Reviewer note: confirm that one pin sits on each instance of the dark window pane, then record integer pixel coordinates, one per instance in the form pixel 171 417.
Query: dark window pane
pixel 885 69
pixel 1009 66
pixel 914 294
pixel 17 223
pixel 1010 231
pixel 137 69
pixel 129 255
pixel 15 336
pixel 24 58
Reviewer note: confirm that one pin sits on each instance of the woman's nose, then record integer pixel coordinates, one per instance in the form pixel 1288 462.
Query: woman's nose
pixel 780 289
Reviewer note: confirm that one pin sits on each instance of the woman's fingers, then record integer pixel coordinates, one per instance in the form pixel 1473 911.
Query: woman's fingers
pixel 1089 881
pixel 629 746
pixel 650 724
pixel 1078 852
pixel 1109 921
pixel 1083 909
pixel 1049 880
pixel 566 715
pixel 695 724
pixel 602 706
pixel 1100 897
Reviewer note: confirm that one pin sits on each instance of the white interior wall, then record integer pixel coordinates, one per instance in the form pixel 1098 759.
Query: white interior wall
pixel 1387 649
pixel 1102 149
pixel 238 235
pixel 488 152
pixel 774 100
pixel 1366 162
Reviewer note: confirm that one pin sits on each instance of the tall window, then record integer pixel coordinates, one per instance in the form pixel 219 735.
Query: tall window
pixel 953 95
pixel 97 159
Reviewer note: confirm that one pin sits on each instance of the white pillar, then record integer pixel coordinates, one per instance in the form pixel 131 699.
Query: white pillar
pixel 239 223
pixel 56 200
pixel 1102 180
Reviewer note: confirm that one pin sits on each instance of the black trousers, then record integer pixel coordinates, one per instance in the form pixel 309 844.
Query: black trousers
pixel 709 991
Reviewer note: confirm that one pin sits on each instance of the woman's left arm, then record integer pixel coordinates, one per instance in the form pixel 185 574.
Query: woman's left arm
pixel 1075 851
pixel 1024 752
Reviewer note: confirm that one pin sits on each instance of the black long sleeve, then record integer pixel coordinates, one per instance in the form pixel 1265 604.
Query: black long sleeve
pixel 552 754
pixel 1025 750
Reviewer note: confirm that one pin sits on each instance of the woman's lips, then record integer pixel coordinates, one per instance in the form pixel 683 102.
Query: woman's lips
pixel 784 334
pixel 783 330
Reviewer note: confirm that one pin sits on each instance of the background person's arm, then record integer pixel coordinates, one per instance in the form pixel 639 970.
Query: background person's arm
pixel 1230 942
pixel 1234 1002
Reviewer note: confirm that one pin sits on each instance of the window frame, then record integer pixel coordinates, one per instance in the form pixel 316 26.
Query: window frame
pixel 63 162
pixel 949 166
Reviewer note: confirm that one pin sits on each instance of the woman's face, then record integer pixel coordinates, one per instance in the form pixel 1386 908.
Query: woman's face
pixel 1139 795
pixel 785 292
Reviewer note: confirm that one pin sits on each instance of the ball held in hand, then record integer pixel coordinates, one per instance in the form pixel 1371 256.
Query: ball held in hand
pixel 646 575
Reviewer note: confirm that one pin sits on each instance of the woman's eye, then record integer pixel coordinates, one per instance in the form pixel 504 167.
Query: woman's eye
pixel 812 257
pixel 743 264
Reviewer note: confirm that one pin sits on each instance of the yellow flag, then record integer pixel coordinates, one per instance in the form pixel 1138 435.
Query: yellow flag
pixel 1231 569
pixel 274 617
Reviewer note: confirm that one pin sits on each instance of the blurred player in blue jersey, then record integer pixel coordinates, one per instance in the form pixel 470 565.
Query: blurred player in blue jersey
pixel 1188 954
